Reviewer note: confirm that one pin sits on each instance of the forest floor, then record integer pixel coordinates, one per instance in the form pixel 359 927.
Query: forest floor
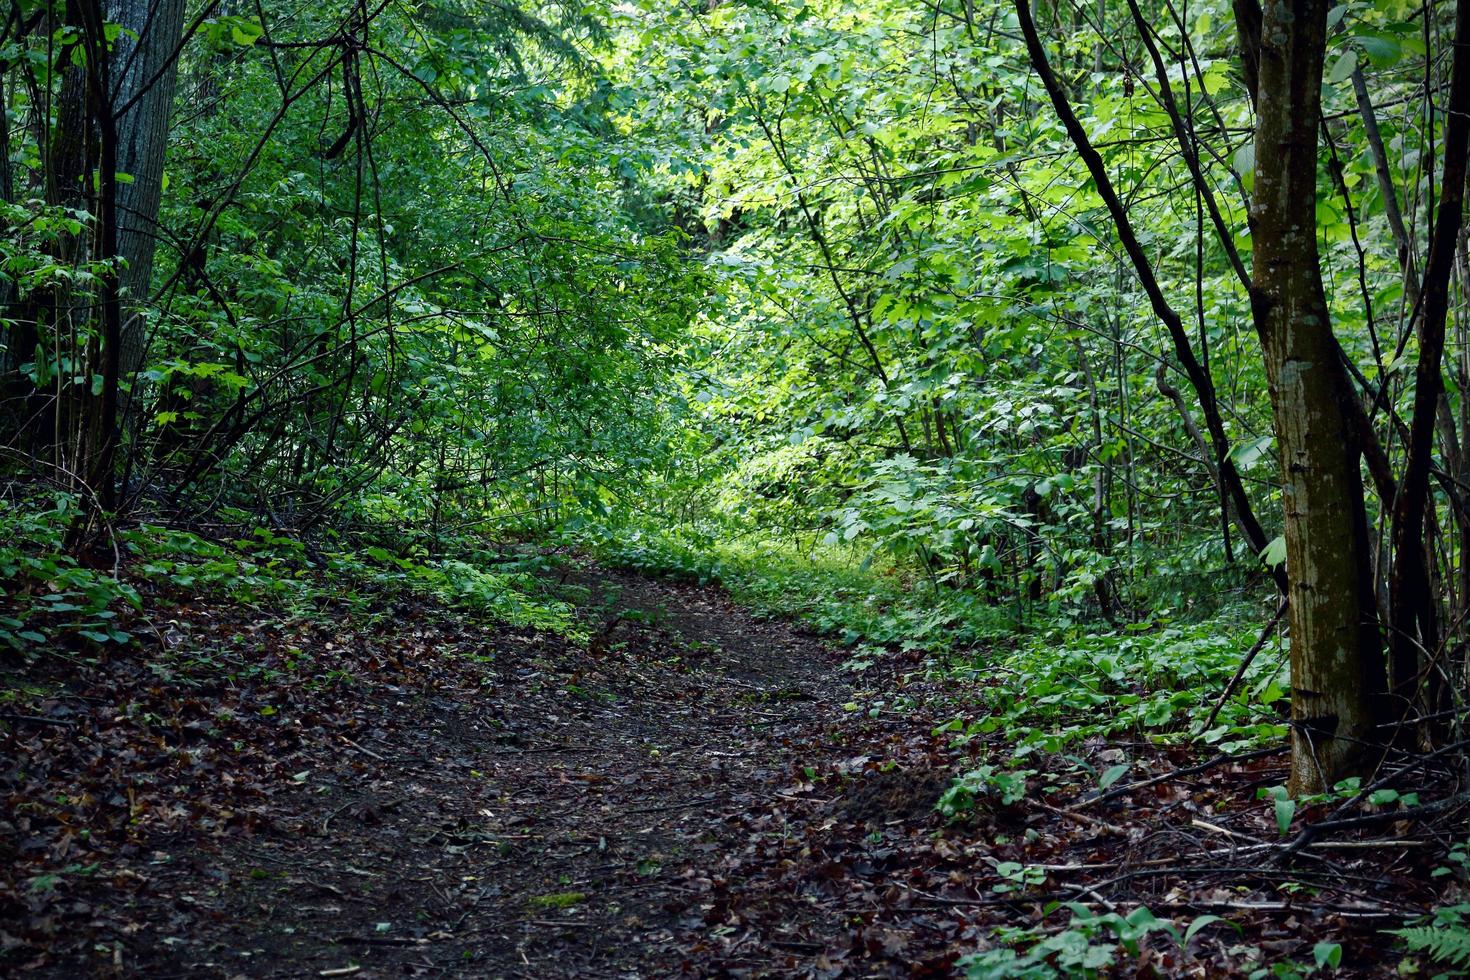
pixel 699 792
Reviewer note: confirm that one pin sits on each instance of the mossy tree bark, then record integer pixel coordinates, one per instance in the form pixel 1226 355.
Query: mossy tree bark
pixel 1336 654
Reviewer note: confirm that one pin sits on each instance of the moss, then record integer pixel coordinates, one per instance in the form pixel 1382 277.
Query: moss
pixel 556 900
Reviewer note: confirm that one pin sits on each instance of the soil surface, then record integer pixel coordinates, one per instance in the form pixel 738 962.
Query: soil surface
pixel 694 791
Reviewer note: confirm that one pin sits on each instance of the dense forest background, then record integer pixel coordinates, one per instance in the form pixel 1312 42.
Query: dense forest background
pixel 1118 349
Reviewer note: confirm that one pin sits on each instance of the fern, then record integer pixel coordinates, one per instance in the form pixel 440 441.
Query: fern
pixel 1447 942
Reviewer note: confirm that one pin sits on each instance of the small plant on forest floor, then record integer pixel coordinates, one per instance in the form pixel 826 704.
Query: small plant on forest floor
pixel 1087 947
pixel 556 900
pixel 987 782
pixel 1017 877
pixel 1444 935
pixel 508 597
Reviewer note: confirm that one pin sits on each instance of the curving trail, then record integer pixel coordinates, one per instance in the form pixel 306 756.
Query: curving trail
pixel 501 803
pixel 696 793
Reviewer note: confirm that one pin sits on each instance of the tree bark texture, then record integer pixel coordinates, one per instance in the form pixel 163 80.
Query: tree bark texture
pixel 1336 655
pixel 144 72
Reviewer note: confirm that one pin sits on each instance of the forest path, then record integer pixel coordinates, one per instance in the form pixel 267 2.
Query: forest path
pixel 396 791
pixel 674 799
pixel 581 821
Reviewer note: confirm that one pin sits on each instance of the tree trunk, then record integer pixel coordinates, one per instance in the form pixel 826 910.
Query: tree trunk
pixel 1198 374
pixel 1336 657
pixel 144 69
pixel 1412 599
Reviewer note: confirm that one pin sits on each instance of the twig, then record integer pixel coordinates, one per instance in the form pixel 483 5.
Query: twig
pixel 38 720
pixel 558 747
pixel 1210 763
pixel 1346 911
pixel 1312 830
pixel 326 821
pixel 328 888
pixel 366 752
pixel 1245 665
pixel 1256 842
pixel 1082 818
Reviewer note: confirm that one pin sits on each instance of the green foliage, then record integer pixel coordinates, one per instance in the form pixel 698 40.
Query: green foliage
pixel 968 790
pixel 510 596
pixel 258 567
pixel 458 324
pixel 46 594
pixel 460 317
pixel 864 602
pixel 1090 946
pixel 1087 947
pixel 1158 682
pixel 51 599
pixel 917 349
pixel 1283 807
pixel 1046 689
pixel 1444 937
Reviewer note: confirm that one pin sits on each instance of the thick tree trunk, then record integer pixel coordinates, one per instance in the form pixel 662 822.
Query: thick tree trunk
pixel 100 430
pixel 144 70
pixel 1336 656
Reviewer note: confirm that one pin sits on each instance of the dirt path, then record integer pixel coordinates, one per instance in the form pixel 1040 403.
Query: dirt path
pixel 480 804
pixel 698 793
pixel 580 821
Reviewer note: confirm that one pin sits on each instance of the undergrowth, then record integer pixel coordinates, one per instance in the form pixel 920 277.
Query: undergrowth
pixel 1045 686
pixel 51 600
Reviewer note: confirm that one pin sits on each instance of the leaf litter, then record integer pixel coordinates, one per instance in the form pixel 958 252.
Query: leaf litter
pixel 695 791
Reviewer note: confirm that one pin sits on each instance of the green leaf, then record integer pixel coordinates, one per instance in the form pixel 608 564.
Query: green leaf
pixel 1285 810
pixel 1244 158
pixel 1201 923
pixel 1327 954
pixel 1383 50
pixel 1248 454
pixel 245 32
pixel 1112 775
pixel 1343 66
